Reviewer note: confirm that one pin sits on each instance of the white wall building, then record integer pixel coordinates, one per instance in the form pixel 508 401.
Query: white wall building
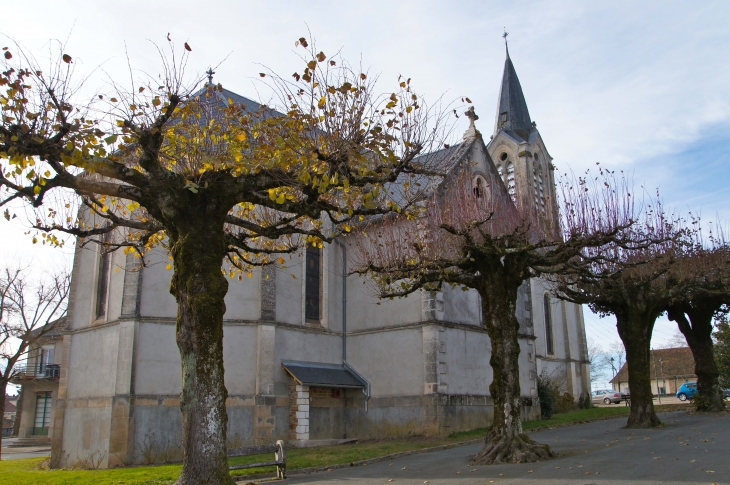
pixel 423 361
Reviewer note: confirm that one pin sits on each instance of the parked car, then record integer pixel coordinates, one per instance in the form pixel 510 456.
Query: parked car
pixel 688 390
pixel 607 396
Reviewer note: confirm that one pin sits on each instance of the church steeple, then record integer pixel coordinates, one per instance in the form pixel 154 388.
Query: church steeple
pixel 512 114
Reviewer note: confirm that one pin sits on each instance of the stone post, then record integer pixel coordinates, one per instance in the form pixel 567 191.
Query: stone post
pixel 302 413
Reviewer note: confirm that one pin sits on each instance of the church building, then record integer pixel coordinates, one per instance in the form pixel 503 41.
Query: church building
pixel 310 354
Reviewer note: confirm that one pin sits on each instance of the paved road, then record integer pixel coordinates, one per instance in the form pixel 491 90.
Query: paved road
pixel 18 453
pixel 690 449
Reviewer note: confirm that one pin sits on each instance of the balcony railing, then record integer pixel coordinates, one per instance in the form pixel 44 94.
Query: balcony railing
pixel 36 371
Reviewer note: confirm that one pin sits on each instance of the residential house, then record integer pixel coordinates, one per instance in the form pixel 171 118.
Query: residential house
pixel 670 368
pixel 39 376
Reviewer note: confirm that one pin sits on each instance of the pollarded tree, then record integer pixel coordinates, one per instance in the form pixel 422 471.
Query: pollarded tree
pixel 695 308
pixel 476 237
pixel 636 286
pixel 210 180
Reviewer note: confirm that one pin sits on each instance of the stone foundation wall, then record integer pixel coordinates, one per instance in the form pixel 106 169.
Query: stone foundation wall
pixel 429 415
pixel 147 430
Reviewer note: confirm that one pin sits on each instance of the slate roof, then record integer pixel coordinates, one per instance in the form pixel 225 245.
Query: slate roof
pixel 322 375
pixel 677 362
pixel 512 102
pixel 59 327
pixel 221 98
pixel 442 161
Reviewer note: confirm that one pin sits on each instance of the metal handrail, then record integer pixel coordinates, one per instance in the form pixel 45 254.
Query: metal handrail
pixel 37 371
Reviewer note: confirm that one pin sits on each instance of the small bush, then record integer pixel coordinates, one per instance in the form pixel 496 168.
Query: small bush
pixel 564 403
pixel 584 401
pixel 545 395
pixel 552 395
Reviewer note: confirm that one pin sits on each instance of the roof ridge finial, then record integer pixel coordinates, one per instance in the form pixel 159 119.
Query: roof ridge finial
pixel 472 131
pixel 504 36
pixel 210 73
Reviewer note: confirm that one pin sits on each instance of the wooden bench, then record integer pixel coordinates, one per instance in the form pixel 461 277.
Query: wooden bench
pixel 279 457
pixel 628 399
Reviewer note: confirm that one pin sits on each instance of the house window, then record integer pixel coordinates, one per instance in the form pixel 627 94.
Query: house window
pixel 548 325
pixel 42 420
pixel 102 288
pixel 46 358
pixel 312 283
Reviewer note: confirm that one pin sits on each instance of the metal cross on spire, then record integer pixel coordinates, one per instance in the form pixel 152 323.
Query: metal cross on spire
pixel 210 73
pixel 504 36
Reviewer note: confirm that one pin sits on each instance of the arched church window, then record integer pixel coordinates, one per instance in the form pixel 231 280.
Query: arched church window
pixel 503 156
pixel 312 283
pixel 548 325
pixel 511 184
pixel 102 283
pixel 480 187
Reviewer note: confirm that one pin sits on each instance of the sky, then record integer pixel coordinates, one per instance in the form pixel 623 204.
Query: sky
pixel 642 87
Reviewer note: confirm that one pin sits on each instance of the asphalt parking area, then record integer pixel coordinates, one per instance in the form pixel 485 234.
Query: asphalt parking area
pixel 689 449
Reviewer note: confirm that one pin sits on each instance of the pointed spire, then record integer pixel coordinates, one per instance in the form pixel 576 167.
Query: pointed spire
pixel 512 114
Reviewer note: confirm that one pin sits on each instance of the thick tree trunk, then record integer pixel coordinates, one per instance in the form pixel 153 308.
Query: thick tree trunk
pixel 200 288
pixel 698 333
pixel 635 330
pixel 505 441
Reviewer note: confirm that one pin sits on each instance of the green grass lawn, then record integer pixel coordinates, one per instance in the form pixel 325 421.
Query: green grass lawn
pixel 30 472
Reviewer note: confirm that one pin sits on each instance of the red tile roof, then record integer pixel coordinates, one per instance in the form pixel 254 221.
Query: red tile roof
pixel 10 405
pixel 677 362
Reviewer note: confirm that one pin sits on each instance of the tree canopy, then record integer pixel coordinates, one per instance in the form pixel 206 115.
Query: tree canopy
pixel 183 165
pixel 473 235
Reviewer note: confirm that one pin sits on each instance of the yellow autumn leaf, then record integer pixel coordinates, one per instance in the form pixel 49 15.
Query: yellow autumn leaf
pixel 168 267
pixel 322 101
